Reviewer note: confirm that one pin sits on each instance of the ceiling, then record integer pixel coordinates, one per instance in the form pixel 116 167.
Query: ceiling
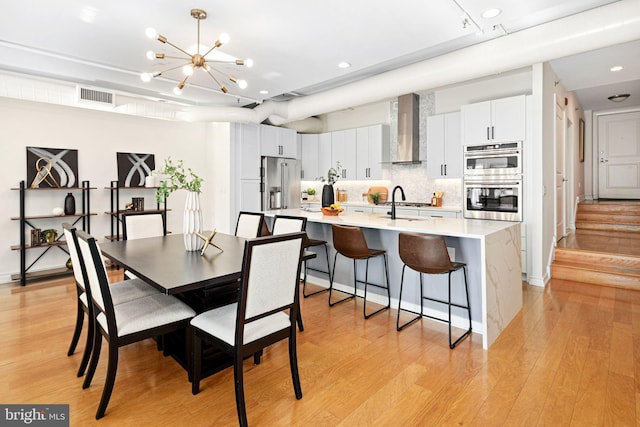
pixel 296 46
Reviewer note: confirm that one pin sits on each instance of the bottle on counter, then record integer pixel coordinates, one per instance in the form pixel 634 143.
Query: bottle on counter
pixel 434 200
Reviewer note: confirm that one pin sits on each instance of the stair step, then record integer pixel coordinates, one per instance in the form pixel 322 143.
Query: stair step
pixel 608 218
pixel 610 208
pixel 598 260
pixel 595 277
pixel 588 225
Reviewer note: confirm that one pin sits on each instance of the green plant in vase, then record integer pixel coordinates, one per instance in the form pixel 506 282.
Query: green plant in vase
pixel 177 178
pixel 375 198
pixel 333 174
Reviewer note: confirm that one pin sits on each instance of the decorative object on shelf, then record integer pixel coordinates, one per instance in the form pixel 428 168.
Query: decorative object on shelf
pixel 150 181
pixel 69 204
pixel 333 174
pixel 333 210
pixel 49 235
pixel 52 167
pixel 375 197
pixel 208 241
pixel 128 207
pixel 133 168
pixel 36 237
pixel 57 211
pixel 198 59
pixel 311 192
pixel 176 179
pixel 137 203
pixel 69 264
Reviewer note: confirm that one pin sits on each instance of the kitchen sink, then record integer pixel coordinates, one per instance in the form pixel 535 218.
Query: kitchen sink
pixel 403 218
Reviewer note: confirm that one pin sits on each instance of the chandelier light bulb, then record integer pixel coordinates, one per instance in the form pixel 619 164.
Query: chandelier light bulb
pixel 146 77
pixel 177 91
pixel 242 84
pixel 248 62
pixel 151 55
pixel 224 38
pixel 151 33
pixel 187 70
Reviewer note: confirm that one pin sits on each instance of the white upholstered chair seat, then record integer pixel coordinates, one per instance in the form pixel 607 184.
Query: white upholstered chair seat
pixel 147 313
pixel 129 290
pixel 221 323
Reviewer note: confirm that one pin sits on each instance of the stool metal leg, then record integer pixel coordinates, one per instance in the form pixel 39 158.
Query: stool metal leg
pixel 400 327
pixel 366 283
pixel 304 285
pixel 468 308
pixel 331 304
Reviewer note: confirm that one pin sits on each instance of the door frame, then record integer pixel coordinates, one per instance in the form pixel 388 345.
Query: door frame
pixel 558 110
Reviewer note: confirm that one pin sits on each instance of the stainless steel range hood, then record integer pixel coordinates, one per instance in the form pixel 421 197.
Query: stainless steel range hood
pixel 408 129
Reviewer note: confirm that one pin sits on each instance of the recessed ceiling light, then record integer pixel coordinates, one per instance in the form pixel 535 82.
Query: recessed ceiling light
pixel 491 13
pixel 619 98
pixel 264 92
pixel 616 68
pixel 344 65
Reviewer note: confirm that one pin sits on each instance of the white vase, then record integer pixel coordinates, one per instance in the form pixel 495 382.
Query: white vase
pixel 192 222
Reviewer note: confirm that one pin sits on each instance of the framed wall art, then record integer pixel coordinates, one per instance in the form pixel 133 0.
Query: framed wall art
pixel 52 167
pixel 133 168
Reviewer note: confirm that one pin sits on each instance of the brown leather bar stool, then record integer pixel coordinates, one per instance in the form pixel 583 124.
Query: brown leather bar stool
pixel 310 243
pixel 350 242
pixel 427 254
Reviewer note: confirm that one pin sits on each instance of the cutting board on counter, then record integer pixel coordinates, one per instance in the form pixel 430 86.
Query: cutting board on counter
pixel 384 193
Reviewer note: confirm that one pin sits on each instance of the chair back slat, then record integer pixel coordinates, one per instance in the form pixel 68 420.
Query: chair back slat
pixel 271 269
pixel 77 265
pixel 96 272
pixel 140 226
pixel 288 224
pixel 249 224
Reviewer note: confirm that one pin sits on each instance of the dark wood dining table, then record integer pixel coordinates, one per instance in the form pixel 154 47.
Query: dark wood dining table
pixel 164 263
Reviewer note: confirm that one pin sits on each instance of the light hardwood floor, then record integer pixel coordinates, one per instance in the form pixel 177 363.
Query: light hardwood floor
pixel 571 357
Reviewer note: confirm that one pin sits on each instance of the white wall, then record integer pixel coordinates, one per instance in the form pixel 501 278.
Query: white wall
pixel 97 136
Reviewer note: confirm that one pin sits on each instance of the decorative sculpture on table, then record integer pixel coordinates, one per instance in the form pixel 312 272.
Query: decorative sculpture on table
pixel 208 241
pixel 177 178
pixel 52 167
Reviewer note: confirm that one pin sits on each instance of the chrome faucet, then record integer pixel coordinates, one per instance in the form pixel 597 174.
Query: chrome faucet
pixel 393 200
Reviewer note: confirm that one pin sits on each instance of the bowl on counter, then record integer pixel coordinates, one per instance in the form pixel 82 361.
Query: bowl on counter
pixel 331 212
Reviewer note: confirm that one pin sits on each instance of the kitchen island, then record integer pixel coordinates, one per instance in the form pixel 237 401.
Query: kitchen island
pixel 491 250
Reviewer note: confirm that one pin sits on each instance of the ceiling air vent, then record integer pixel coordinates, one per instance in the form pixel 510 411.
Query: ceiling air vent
pixel 95 96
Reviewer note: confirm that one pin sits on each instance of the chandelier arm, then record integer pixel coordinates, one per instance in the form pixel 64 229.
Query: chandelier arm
pixel 177 57
pixel 171 69
pixel 217 71
pixel 210 50
pixel 180 49
pixel 222 87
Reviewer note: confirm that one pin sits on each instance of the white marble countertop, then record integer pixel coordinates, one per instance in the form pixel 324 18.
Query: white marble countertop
pixel 371 205
pixel 455 227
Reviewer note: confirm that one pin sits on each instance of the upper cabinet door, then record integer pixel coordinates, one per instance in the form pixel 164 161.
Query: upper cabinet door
pixel 363 153
pixel 500 120
pixel 372 141
pixel 435 146
pixel 248 142
pixel 444 148
pixel 324 154
pixel 452 146
pixel 343 150
pixel 278 142
pixel 309 156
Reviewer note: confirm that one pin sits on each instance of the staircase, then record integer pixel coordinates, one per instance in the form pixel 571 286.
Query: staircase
pixel 605 248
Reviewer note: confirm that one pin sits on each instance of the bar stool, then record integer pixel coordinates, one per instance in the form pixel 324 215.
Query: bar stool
pixel 427 254
pixel 310 243
pixel 349 241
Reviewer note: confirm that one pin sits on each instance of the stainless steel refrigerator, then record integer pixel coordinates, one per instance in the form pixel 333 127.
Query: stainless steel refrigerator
pixel 280 183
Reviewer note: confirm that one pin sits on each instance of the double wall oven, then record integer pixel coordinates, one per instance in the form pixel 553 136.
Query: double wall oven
pixel 493 181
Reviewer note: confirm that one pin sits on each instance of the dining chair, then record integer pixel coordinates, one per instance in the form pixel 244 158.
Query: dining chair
pixel 123 291
pixel 125 323
pixel 269 286
pixel 249 224
pixel 283 224
pixel 140 225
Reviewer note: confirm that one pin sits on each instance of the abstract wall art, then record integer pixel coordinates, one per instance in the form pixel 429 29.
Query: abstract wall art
pixel 133 168
pixel 52 167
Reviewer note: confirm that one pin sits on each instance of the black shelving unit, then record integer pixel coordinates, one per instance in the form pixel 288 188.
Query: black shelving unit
pixel 84 217
pixel 116 213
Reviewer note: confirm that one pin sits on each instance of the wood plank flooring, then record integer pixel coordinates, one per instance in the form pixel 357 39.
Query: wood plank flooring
pixel 571 357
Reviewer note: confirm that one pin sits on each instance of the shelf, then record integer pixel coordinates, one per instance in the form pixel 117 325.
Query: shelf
pixel 44 245
pixel 53 216
pixel 130 188
pixel 43 274
pixel 139 212
pixel 54 188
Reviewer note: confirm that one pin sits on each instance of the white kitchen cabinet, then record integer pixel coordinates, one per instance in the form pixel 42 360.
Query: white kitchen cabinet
pixel 324 154
pixel 343 150
pixel 432 213
pixel 498 120
pixel 444 147
pixel 372 148
pixel 278 142
pixel 249 196
pixel 309 156
pixel 246 138
pixel 364 209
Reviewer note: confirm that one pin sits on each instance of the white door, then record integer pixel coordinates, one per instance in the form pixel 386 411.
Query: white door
pixel 560 179
pixel 619 156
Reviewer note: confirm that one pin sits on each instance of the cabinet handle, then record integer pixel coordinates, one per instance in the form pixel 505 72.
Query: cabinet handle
pixel 488 134
pixel 493 136
pixel 344 173
pixel 440 170
pixel 302 174
pixel 445 170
